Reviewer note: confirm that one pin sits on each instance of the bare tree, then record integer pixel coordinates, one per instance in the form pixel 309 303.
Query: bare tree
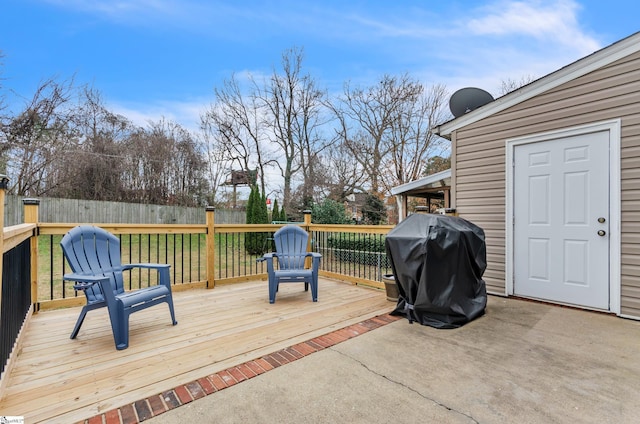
pixel 345 176
pixel 366 118
pixel 411 139
pixel 4 122
pixel 294 116
pixel 387 128
pixel 37 136
pixel 382 138
pixel 94 169
pixel 2 94
pixel 509 85
pixel 275 123
pixel 235 128
pixel 167 166
pixel 216 164
pixel 310 119
pixel 66 143
pixel 186 166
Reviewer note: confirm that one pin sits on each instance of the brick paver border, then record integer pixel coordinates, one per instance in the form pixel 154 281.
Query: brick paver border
pixel 155 405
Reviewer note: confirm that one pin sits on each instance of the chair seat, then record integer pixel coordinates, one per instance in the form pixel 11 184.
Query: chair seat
pixel 291 273
pixel 294 276
pixel 147 294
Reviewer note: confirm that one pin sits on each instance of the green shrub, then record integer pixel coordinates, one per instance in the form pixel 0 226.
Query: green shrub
pixel 329 212
pixel 350 247
pixel 352 241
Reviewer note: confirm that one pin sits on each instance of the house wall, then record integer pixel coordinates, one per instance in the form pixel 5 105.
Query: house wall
pixel 479 174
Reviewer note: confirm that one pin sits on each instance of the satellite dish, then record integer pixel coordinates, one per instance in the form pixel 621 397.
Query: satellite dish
pixel 467 99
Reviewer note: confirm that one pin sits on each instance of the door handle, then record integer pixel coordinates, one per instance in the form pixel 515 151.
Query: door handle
pixel 602 233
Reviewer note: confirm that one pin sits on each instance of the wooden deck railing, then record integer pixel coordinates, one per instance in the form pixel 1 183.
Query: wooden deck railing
pixel 200 256
pixel 15 291
pixel 180 245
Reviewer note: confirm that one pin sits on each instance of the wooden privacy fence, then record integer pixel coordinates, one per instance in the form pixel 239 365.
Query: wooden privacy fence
pixel 76 211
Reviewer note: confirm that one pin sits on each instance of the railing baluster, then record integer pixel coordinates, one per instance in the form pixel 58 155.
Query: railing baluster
pixel 190 257
pixel 149 259
pixel 233 257
pixel 174 258
pixel 51 270
pixel 219 258
pixel 182 257
pixel 199 255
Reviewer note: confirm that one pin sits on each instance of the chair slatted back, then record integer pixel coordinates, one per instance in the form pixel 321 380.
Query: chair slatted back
pixel 93 251
pixel 291 246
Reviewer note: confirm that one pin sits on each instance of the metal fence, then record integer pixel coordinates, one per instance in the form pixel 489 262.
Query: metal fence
pixel 16 297
pixel 359 255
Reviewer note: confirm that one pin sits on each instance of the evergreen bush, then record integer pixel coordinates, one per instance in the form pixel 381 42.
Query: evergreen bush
pixel 257 213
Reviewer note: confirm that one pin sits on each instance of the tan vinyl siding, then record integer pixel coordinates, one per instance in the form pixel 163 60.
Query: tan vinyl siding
pixel 610 92
pixel 630 190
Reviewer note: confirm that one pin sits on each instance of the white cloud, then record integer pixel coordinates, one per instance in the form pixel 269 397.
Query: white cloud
pixel 509 40
pixel 554 21
pixel 187 114
pixel 461 46
pixel 153 14
pixel 233 20
pixel 456 46
pixel 119 9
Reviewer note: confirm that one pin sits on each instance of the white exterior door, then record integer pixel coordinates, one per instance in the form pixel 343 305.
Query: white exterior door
pixel 561 220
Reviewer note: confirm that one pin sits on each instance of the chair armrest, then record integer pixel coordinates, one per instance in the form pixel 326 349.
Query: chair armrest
pixel 164 277
pixel 315 261
pixel 145 265
pixel 267 256
pixel 84 281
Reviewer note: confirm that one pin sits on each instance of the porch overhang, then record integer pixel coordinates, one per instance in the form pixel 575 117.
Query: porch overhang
pixel 435 186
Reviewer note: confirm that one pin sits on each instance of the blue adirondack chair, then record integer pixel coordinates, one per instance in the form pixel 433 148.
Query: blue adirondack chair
pixel 94 257
pixel 291 252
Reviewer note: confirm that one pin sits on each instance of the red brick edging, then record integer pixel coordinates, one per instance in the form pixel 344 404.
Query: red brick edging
pixel 144 409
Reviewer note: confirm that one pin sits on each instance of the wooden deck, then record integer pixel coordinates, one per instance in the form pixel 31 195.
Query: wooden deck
pixel 56 379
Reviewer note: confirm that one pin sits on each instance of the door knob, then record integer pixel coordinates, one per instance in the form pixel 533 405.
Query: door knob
pixel 601 220
pixel 601 233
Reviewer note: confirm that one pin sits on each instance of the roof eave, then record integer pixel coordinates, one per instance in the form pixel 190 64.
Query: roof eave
pixel 413 185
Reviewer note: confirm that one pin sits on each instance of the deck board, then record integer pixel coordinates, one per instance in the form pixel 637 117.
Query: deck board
pixel 58 379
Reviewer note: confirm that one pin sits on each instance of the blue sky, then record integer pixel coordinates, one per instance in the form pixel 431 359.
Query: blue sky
pixel 162 58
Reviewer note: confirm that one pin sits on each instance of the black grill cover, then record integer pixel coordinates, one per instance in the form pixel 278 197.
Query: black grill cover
pixel 438 262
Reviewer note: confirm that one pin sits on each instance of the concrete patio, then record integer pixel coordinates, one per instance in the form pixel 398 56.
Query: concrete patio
pixel 523 362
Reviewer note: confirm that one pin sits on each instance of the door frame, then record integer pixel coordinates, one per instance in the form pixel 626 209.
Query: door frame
pixel 613 127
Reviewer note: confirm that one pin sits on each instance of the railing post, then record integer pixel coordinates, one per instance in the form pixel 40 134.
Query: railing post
pixel 211 251
pixel 4 183
pixel 31 207
pixel 307 218
pixel 307 225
